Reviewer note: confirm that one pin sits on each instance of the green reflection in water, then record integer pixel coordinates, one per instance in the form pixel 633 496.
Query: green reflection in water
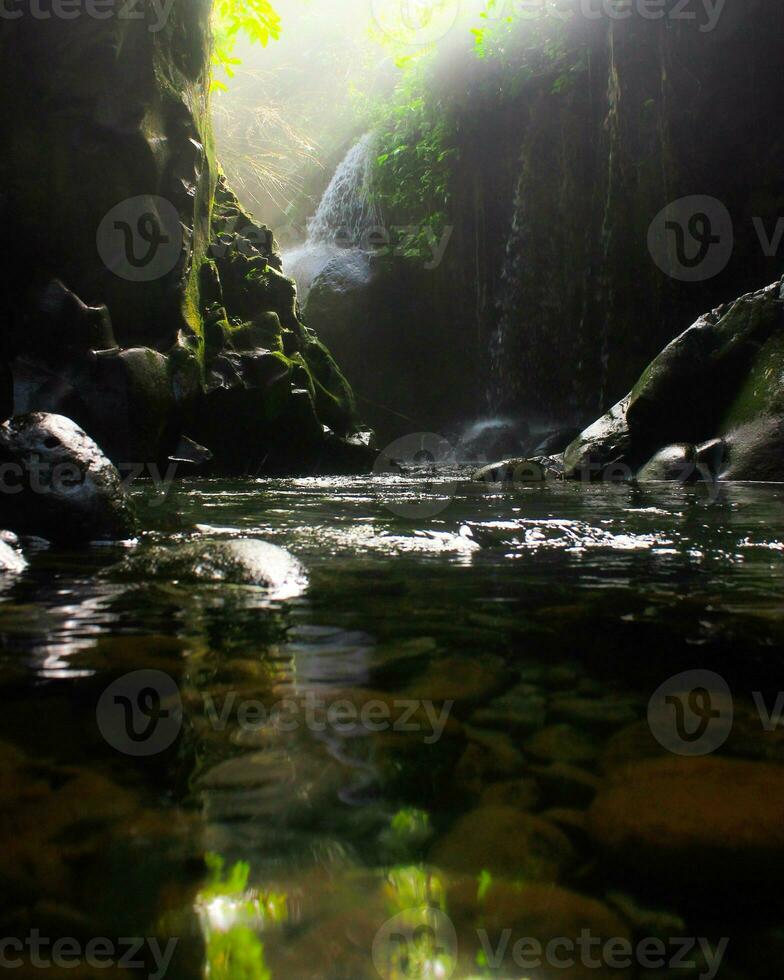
pixel 231 916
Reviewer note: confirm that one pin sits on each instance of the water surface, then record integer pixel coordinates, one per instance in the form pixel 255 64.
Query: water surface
pixel 474 638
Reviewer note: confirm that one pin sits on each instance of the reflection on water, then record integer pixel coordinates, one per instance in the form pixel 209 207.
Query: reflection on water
pixel 447 732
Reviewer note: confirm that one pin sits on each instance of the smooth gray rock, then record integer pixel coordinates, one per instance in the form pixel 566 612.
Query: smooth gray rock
pixel 11 558
pixel 234 562
pixel 57 484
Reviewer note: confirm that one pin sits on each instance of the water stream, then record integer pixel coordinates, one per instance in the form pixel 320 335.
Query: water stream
pixel 337 239
pixel 528 628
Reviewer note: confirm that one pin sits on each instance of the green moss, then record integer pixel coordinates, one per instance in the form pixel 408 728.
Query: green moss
pixel 762 392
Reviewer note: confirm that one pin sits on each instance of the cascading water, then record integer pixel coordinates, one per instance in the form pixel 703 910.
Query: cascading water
pixel 338 234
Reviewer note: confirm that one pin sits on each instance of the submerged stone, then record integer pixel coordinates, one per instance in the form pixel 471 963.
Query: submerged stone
pixel 519 921
pixel 505 841
pixel 245 562
pixel 58 483
pixel 700 822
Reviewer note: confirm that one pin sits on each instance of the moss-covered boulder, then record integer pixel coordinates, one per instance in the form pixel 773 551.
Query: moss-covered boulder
pixel 711 402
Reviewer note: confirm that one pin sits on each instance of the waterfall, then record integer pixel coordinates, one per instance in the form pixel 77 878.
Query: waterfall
pixel 338 232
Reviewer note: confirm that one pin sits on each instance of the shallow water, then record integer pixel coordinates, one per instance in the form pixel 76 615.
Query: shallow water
pixel 454 643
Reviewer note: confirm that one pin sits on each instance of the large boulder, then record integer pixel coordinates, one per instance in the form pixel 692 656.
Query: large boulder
pixel 721 378
pixel 57 483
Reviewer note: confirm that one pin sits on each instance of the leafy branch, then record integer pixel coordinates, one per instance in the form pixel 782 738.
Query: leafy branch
pixel 256 19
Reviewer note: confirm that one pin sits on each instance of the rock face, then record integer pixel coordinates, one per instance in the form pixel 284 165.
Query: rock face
pixel 57 483
pixel 247 562
pixel 139 299
pixel 710 405
pixel 559 318
pixel 703 823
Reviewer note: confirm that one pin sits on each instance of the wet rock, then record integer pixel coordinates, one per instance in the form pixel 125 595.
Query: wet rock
pixel 62 487
pixel 521 710
pixel 535 470
pixel 190 453
pixel 522 794
pixel 594 713
pixel 492 440
pixel 556 443
pixel 562 743
pixel 563 785
pixel 463 680
pixel 702 823
pixel 635 743
pixel 608 441
pixel 720 378
pixel 684 463
pixel 755 451
pixel 11 557
pixel 533 913
pixel 674 464
pixel 236 562
pixel 501 756
pixel 562 676
pixel 503 841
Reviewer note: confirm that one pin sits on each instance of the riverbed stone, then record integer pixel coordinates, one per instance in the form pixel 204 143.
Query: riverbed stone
pixel 534 912
pixel 634 743
pixel 700 822
pixel 464 680
pixel 522 794
pixel 522 710
pixel 68 490
pixel 504 841
pixel 594 713
pixel 562 743
pixel 562 784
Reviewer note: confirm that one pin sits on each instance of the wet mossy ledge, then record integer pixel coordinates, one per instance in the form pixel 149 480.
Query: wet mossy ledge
pixel 206 362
